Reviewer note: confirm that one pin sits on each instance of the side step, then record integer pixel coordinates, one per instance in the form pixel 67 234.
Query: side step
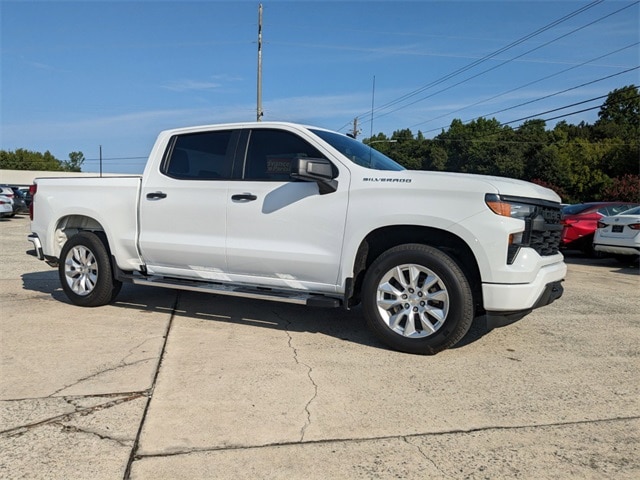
pixel 258 293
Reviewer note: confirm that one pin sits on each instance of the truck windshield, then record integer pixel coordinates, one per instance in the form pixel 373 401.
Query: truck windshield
pixel 358 152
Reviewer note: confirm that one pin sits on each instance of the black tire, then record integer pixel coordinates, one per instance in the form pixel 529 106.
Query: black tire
pixel 425 314
pixel 85 271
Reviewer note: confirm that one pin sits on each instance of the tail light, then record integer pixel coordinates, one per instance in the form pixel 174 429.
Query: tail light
pixel 602 225
pixel 634 226
pixel 32 190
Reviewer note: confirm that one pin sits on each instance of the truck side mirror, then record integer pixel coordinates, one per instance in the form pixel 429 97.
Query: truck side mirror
pixel 319 170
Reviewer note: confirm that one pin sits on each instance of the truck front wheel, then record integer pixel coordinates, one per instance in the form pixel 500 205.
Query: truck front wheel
pixel 85 271
pixel 416 299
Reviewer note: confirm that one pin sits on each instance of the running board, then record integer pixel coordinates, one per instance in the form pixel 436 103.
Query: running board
pixel 312 300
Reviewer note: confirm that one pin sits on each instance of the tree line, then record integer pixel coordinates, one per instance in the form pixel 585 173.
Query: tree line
pixel 581 162
pixel 22 159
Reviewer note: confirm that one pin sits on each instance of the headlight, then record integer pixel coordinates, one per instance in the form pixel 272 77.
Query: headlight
pixel 508 208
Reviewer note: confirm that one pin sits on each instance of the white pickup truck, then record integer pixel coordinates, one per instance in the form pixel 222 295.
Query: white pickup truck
pixel 285 212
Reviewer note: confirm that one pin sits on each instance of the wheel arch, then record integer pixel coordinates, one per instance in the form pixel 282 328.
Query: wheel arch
pixel 69 225
pixel 382 239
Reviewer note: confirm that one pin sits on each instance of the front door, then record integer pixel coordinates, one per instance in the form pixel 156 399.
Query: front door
pixel 282 232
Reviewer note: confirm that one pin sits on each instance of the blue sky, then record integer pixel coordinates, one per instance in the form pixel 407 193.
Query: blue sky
pixel 77 75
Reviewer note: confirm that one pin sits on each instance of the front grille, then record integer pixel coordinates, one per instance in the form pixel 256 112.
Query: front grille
pixel 542 232
pixel 546 242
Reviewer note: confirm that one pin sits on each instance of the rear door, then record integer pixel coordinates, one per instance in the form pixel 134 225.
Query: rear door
pixel 183 206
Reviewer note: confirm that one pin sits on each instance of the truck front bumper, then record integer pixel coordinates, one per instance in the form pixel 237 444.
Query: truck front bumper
pixel 521 296
pixel 506 303
pixel 499 318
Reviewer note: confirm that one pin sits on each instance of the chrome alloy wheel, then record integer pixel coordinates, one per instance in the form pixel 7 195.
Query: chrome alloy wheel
pixel 412 300
pixel 81 270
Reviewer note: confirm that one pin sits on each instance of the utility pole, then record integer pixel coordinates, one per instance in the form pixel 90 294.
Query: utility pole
pixel 373 99
pixel 100 160
pixel 259 112
pixel 355 130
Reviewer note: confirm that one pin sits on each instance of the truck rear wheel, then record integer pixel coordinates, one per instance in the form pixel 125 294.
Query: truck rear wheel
pixel 416 299
pixel 85 271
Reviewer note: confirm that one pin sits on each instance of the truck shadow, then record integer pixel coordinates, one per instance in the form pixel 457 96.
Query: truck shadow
pixel 345 325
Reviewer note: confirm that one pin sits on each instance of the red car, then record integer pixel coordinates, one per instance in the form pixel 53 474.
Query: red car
pixel 580 221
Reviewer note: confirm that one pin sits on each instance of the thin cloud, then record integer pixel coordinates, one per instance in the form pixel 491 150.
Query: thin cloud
pixel 212 83
pixel 191 85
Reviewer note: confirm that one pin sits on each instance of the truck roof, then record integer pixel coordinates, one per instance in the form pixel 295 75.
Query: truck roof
pixel 290 125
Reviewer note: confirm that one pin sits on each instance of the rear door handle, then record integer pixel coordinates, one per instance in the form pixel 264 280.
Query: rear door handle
pixel 155 195
pixel 244 197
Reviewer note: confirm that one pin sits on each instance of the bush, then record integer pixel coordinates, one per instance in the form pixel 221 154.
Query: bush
pixel 623 189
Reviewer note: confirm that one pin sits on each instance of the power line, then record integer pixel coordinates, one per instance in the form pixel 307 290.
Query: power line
pixel 503 124
pixel 489 56
pixel 537 99
pixel 483 59
pixel 558 109
pixel 117 158
pixel 538 81
pixel 505 62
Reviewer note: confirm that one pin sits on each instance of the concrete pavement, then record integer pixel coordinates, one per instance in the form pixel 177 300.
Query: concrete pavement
pixel 183 385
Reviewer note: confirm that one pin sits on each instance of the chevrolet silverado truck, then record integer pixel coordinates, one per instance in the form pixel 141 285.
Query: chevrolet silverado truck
pixel 292 213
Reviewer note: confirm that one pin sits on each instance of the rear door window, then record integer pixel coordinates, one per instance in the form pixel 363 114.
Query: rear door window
pixel 202 156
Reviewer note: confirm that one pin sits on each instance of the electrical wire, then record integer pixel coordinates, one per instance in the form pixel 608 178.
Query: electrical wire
pixel 538 81
pixel 505 62
pixel 488 57
pixel 504 124
pixel 442 79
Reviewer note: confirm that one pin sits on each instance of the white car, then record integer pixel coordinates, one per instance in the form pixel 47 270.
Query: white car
pixel 619 235
pixel 6 206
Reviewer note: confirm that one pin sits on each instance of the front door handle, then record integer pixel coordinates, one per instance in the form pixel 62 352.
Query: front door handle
pixel 244 197
pixel 155 195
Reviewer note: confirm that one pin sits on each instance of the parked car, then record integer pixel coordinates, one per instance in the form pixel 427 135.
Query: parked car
pixel 619 235
pixel 19 201
pixel 7 191
pixel 6 206
pixel 580 221
pixel 27 196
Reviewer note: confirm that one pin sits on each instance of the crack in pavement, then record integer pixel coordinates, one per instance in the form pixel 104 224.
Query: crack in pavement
pixel 101 372
pixel 74 429
pixel 309 372
pixel 404 438
pixel 426 457
pixel 133 455
pixel 22 429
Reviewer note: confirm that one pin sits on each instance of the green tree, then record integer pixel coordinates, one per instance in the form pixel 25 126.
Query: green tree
pixel 583 160
pixel 618 126
pixel 436 158
pixel 621 112
pixel 22 159
pixel 74 164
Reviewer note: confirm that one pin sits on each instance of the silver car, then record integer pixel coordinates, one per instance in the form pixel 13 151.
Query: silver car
pixel 6 206
pixel 619 235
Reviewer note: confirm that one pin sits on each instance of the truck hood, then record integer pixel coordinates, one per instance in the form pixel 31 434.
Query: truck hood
pixel 491 184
